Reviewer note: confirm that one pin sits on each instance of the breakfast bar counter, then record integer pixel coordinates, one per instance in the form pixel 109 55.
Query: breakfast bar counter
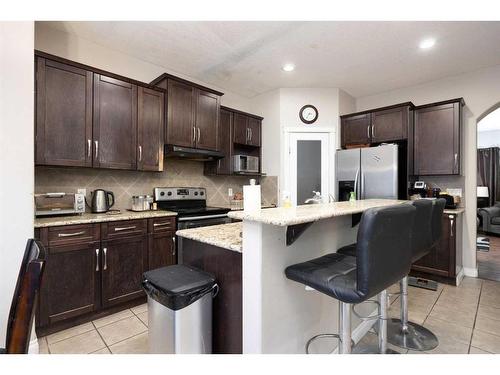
pixel 279 315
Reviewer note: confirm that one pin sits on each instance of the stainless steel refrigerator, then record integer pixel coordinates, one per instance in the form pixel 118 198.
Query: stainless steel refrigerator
pixel 370 172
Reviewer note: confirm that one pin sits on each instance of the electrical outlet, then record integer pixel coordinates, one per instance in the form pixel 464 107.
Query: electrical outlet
pixel 230 192
pixel 82 191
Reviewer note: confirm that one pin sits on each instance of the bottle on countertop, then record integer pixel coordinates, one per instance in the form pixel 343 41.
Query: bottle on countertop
pixel 352 196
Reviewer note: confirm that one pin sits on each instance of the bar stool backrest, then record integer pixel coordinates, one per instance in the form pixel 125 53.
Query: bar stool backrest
pixel 383 247
pixel 437 220
pixel 421 238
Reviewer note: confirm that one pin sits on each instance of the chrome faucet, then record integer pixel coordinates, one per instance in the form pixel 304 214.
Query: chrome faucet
pixel 317 198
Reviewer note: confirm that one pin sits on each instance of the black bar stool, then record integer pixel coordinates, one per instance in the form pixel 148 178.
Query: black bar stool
pixel 383 257
pixel 427 233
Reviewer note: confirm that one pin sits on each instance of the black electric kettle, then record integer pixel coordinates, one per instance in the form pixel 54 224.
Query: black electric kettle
pixel 101 201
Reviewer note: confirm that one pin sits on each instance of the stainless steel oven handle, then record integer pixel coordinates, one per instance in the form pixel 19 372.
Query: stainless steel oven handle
pixel 202 217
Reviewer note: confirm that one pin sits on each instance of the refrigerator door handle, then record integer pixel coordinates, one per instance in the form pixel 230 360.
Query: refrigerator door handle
pixel 356 184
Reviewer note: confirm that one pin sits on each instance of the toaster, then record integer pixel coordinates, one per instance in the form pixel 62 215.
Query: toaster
pixel 48 204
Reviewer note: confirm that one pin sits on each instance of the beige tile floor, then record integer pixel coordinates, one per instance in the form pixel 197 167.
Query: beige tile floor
pixel 466 319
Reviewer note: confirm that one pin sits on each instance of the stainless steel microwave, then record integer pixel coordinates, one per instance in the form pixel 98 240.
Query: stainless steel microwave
pixel 246 164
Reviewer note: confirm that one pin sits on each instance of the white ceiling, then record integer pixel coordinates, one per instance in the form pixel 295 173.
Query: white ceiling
pixel 363 58
pixel 490 122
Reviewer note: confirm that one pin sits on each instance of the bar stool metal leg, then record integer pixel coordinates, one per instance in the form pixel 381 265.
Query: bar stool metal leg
pixel 345 328
pixel 382 322
pixel 406 334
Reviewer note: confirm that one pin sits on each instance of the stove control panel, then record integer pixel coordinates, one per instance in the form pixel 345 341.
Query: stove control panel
pixel 179 193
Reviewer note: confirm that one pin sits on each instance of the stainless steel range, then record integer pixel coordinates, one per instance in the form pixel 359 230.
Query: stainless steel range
pixel 191 206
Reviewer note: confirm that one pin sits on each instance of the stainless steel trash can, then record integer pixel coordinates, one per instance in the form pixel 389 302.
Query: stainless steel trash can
pixel 179 310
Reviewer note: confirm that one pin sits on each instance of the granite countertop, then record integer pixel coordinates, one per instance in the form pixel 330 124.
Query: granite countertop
pixel 227 236
pixel 86 218
pixel 237 208
pixel 458 210
pixel 281 216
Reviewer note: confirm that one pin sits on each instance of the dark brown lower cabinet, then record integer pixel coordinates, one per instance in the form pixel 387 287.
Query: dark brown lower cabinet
pixel 226 265
pixel 124 261
pixel 70 284
pixel 445 260
pixel 93 270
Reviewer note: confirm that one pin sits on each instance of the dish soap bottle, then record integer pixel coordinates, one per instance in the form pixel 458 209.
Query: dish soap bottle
pixel 352 197
pixel 287 202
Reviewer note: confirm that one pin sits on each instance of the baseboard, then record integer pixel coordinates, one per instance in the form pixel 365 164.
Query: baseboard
pixel 470 272
pixel 460 277
pixel 33 347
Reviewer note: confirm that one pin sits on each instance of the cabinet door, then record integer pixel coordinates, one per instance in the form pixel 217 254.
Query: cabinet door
pixel 356 130
pixel 207 120
pixel 389 125
pixel 441 260
pixel 437 140
pixel 115 123
pixel 224 165
pixel 161 250
pixel 124 261
pixel 240 129
pixel 150 127
pixel 180 114
pixel 70 283
pixel 254 126
pixel 63 114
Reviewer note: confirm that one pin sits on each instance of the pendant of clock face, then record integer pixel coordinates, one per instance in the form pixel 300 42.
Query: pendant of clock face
pixel 308 114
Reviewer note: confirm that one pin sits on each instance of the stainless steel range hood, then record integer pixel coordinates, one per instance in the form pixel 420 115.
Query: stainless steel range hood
pixel 172 151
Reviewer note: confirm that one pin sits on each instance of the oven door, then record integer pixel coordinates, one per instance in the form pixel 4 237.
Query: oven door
pixel 197 222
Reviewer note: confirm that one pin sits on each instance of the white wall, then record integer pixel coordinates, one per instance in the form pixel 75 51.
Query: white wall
pixel 17 160
pixel 490 138
pixel 72 47
pixel 481 91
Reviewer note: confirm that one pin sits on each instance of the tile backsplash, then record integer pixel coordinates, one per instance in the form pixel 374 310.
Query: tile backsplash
pixel 125 184
pixel 447 182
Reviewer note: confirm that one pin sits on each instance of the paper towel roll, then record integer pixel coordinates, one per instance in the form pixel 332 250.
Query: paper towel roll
pixel 251 198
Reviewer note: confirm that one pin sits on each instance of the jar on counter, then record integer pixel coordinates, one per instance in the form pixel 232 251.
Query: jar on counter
pixel 140 203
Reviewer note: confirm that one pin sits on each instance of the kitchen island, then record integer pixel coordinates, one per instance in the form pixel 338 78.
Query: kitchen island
pixel 279 315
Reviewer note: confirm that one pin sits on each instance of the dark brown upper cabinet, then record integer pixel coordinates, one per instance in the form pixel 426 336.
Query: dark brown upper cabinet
pixel 247 130
pixel 150 128
pixel 180 114
pixel 207 120
pixel 437 138
pixel 239 133
pixel 355 129
pixel 63 114
pixel 390 124
pixel 86 117
pixel 375 126
pixel 115 123
pixel 192 113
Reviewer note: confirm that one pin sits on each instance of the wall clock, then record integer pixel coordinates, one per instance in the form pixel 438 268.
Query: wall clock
pixel 308 114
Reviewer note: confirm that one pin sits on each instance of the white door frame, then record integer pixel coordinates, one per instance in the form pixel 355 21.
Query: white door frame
pixel 332 146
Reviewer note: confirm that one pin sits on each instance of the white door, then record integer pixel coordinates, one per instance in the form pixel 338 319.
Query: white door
pixel 308 165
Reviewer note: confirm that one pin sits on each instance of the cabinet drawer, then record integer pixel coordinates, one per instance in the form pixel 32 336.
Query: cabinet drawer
pixel 69 234
pixel 162 224
pixel 125 228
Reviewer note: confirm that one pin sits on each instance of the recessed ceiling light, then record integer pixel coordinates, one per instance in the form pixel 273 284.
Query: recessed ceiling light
pixel 427 43
pixel 288 67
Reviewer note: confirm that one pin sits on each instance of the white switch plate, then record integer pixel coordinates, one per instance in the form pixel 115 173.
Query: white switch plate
pixel 230 192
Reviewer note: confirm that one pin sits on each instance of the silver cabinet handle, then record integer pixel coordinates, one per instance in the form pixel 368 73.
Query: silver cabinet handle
pixel 368 131
pixel 373 131
pixel 105 250
pixel 451 225
pixel 456 159
pixel 251 134
pixel 194 134
pixel 97 259
pixel 89 147
pixel 117 229
pixel 173 245
pixel 140 153
pixel 70 234
pixel 161 224
pixel 248 134
pixel 96 149
pixel 199 135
